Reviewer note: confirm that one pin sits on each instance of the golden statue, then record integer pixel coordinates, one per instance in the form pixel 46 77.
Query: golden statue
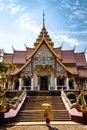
pixel 2 99
pixel 81 96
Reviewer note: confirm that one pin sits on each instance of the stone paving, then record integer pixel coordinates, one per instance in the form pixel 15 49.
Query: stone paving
pixel 43 126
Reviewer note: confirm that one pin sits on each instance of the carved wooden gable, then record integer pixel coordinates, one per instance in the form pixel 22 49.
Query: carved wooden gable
pixel 27 71
pixel 60 71
pixel 43 57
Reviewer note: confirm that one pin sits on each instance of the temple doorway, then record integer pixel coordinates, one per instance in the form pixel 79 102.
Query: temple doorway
pixel 44 83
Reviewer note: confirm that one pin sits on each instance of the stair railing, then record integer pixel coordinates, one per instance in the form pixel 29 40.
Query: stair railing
pixel 66 100
pixel 75 114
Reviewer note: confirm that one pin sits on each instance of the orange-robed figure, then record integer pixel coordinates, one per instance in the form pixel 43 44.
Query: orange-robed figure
pixel 47 114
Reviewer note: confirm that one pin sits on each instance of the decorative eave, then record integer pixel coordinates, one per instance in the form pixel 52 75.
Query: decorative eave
pixel 38 46
pixel 68 70
pixel 51 49
pixel 18 71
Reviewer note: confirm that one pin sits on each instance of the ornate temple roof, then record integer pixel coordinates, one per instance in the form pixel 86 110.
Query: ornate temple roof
pixel 75 62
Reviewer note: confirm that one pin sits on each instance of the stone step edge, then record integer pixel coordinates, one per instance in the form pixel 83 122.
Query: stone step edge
pixel 42 123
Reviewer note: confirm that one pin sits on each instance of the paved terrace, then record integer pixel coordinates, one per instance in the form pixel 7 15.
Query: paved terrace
pixel 42 126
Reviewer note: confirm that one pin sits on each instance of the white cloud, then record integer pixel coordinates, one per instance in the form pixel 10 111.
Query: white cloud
pixel 10 39
pixel 11 6
pixel 1 5
pixel 73 26
pixel 69 4
pixel 66 39
pixel 25 22
pixel 80 14
pixel 79 33
pixel 14 8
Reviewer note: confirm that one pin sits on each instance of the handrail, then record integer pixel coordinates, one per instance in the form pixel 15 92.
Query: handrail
pixel 63 95
pixel 12 112
pixel 66 101
pixel 72 110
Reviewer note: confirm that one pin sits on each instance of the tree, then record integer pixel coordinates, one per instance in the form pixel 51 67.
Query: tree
pixel 6 70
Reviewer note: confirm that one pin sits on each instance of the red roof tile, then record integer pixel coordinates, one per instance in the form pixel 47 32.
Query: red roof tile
pixel 29 51
pixel 8 57
pixel 73 68
pixel 58 51
pixel 82 72
pixel 68 57
pixel 19 57
pixel 80 59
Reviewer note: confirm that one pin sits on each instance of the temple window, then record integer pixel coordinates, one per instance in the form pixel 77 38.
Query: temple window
pixel 27 81
pixel 71 84
pixel 60 81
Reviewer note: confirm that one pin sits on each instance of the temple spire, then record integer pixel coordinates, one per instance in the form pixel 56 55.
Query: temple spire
pixel 43 19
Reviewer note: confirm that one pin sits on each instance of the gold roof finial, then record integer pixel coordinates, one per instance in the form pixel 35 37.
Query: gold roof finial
pixel 43 19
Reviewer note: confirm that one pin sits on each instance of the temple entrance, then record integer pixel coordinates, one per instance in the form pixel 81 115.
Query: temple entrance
pixel 44 83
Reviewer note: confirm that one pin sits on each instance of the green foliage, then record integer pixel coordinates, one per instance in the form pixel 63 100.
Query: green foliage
pixel 71 96
pixel 7 67
pixel 6 70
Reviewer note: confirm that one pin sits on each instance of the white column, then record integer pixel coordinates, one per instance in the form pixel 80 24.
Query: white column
pixel 49 83
pixel 86 84
pixel 31 83
pixel 75 85
pixel 20 83
pixel 55 83
pixel 67 83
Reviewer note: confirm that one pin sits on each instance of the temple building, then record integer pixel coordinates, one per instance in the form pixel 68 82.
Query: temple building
pixel 45 67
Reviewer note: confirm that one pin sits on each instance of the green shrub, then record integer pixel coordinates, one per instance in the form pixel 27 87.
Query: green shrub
pixel 72 97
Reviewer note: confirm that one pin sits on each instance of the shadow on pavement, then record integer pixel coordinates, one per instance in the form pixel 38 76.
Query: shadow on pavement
pixel 2 127
pixel 51 128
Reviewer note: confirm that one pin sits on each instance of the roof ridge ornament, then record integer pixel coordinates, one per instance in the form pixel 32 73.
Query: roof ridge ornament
pixel 85 50
pixel 74 47
pixel 13 48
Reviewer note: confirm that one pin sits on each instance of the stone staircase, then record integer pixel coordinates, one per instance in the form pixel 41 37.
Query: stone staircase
pixel 32 109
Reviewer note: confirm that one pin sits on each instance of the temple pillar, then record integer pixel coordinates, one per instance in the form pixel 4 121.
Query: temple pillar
pixel 75 85
pixel 20 83
pixel 31 83
pixel 55 83
pixel 67 83
pixel 85 84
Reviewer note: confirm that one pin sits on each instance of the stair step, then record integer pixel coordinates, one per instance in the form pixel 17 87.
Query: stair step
pixel 32 109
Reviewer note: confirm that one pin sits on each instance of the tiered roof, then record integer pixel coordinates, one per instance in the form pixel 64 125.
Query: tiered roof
pixel 75 62
pixel 42 34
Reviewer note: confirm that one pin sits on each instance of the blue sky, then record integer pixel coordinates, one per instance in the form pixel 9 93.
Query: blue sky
pixel 65 20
